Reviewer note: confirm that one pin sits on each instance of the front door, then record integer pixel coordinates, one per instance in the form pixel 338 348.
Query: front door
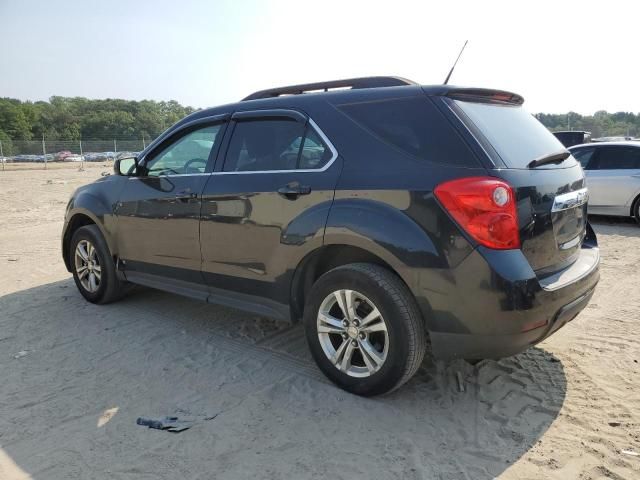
pixel 267 205
pixel 159 209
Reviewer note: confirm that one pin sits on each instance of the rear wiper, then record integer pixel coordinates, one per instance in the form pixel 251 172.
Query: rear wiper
pixel 557 157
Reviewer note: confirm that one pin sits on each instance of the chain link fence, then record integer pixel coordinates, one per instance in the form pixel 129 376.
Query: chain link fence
pixel 50 150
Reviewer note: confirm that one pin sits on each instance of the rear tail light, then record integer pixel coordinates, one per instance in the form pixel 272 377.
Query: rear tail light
pixel 485 208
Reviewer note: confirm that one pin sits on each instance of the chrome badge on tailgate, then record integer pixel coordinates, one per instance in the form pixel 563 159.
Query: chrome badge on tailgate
pixel 570 200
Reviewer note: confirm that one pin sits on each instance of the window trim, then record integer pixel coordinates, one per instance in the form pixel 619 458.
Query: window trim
pixel 264 114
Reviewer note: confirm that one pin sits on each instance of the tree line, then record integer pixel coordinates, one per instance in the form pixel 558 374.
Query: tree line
pixel 77 118
pixel 600 124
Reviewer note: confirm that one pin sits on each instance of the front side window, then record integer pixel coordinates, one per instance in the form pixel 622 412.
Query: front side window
pixel 187 155
pixel 274 145
pixel 618 158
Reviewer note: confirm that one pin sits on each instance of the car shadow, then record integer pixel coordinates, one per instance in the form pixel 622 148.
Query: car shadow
pixel 76 376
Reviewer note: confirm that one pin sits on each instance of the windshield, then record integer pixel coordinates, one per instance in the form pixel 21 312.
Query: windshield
pixel 514 133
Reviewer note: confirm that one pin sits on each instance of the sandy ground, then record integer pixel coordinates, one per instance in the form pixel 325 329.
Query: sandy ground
pixel 74 378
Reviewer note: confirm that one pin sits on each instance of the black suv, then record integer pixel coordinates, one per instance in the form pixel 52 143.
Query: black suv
pixel 392 218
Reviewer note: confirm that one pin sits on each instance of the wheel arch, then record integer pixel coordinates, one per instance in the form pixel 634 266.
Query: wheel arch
pixel 78 219
pixel 326 258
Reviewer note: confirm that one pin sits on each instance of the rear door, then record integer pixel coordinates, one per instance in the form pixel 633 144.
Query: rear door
pixel 613 176
pixel 266 206
pixel 551 197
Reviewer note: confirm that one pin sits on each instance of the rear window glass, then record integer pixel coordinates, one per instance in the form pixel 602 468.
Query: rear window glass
pixel 413 125
pixel 513 132
pixel 617 158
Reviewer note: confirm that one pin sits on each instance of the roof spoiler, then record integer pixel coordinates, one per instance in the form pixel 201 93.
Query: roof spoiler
pixel 485 95
pixel 353 83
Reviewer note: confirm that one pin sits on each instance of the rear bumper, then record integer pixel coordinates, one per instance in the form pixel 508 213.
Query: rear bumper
pixel 493 305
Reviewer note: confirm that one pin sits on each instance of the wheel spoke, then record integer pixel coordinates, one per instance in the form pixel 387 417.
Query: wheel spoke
pixel 91 252
pixel 92 282
pixel 329 324
pixel 372 358
pixel 346 358
pixel 97 273
pixel 378 326
pixel 337 357
pixel 373 315
pixel 342 303
pixel 83 272
pixel 345 302
pixel 82 252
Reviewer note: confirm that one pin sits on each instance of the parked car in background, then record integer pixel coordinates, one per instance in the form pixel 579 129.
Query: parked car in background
pixel 573 137
pixel 391 218
pixel 613 177
pixel 61 156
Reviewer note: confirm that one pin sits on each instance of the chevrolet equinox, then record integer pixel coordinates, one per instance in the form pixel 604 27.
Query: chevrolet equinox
pixel 391 218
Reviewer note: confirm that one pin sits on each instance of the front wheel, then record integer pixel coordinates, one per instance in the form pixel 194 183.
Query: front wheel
pixel 93 268
pixel 364 329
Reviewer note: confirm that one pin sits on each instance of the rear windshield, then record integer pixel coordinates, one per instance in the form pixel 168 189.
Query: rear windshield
pixel 513 132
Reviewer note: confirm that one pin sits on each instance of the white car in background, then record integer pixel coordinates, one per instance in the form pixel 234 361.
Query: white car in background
pixel 613 177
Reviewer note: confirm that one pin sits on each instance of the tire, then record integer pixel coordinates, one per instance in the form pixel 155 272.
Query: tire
pixel 636 210
pixel 108 288
pixel 399 344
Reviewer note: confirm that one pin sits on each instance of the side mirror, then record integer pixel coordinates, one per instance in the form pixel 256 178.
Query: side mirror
pixel 126 166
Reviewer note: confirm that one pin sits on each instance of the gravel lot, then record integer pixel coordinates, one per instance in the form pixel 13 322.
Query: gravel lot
pixel 74 378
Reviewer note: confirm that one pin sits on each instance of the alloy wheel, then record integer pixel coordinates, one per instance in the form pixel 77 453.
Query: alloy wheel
pixel 88 266
pixel 352 332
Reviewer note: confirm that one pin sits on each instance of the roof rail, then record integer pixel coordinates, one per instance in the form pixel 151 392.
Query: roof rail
pixel 354 83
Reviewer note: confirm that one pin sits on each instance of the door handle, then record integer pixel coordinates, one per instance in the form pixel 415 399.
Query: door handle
pixel 186 195
pixel 293 190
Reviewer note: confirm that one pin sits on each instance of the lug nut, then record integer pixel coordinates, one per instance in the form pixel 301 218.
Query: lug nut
pixel 344 335
pixel 354 343
pixel 345 323
pixel 362 336
pixel 356 322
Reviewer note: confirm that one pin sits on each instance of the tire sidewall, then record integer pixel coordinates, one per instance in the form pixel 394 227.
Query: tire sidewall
pixel 87 233
pixel 394 366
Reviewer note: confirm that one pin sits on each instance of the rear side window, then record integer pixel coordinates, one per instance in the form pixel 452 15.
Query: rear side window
pixel 413 125
pixel 275 144
pixel 514 133
pixel 584 156
pixel 617 158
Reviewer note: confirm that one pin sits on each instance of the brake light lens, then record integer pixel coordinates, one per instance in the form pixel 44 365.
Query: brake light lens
pixel 485 208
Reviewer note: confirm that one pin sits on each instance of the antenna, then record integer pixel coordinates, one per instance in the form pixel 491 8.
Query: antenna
pixel 456 62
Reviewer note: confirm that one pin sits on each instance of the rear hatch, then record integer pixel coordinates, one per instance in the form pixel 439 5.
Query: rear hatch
pixel 548 182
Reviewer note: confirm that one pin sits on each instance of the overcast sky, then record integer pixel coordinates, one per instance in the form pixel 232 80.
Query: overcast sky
pixel 560 55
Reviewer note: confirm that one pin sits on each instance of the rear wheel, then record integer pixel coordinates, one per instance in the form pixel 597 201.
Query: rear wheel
pixel 93 268
pixel 364 329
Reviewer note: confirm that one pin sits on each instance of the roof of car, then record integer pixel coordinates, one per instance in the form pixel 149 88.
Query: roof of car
pixel 623 143
pixel 304 97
